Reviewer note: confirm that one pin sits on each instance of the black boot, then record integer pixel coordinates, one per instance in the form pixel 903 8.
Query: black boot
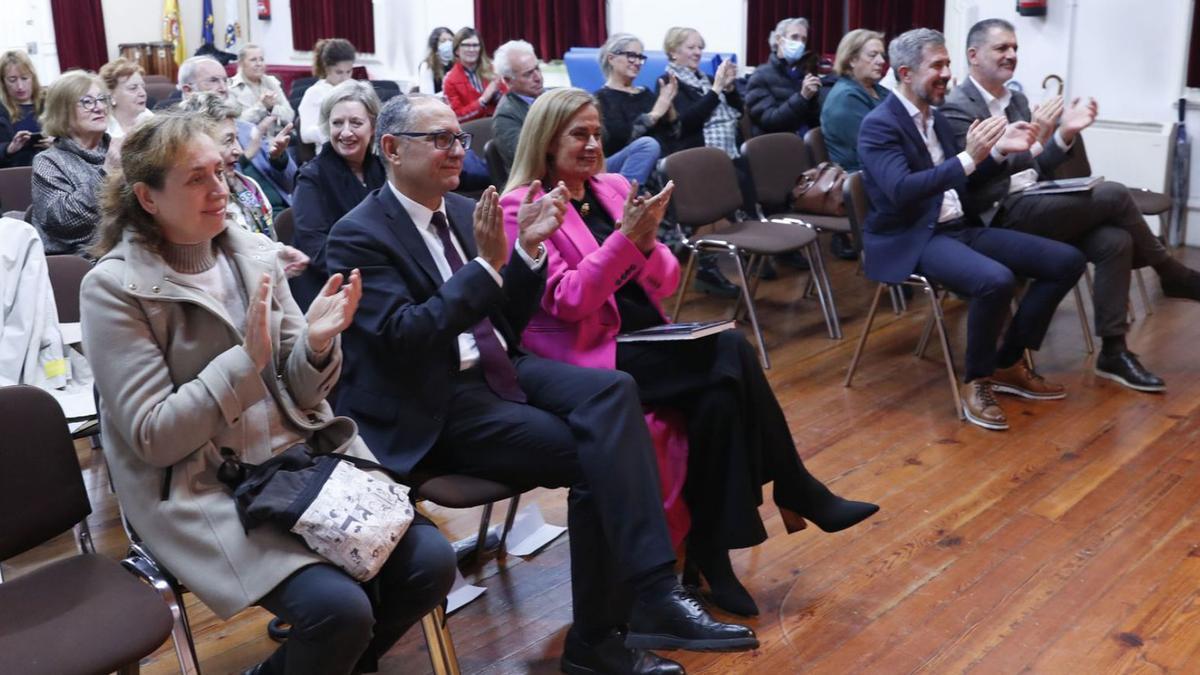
pixel 724 589
pixel 842 247
pixel 710 279
pixel 817 503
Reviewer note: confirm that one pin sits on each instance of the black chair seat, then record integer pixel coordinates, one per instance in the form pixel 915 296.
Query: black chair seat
pixel 1151 203
pixel 761 237
pixel 83 614
pixel 461 492
pixel 826 223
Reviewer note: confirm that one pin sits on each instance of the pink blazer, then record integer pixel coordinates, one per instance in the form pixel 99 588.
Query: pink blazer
pixel 578 320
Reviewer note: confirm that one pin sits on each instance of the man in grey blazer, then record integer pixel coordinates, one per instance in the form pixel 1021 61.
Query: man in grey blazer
pixel 1105 223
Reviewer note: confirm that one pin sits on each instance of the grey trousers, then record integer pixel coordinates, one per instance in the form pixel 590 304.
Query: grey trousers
pixel 1107 226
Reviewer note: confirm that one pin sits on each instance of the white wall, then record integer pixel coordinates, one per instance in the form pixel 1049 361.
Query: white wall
pixel 28 25
pixel 721 22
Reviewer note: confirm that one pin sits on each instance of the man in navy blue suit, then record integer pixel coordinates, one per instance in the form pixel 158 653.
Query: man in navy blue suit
pixel 436 380
pixel 917 224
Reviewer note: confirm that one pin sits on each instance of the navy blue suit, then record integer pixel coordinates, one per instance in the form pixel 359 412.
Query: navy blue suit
pixel 420 414
pixel 901 236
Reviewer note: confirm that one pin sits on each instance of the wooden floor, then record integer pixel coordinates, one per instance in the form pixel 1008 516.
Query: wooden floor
pixel 1069 544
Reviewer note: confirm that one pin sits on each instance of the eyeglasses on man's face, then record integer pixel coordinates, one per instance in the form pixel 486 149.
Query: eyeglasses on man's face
pixel 93 103
pixel 442 140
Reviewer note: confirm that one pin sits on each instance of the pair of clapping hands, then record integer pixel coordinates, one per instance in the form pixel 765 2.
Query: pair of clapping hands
pixel 1008 138
pixel 328 315
pixel 539 218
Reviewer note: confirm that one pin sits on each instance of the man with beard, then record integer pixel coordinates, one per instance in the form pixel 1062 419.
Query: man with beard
pixel 1105 222
pixel 917 224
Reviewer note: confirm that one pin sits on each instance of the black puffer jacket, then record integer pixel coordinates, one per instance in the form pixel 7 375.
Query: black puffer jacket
pixel 774 102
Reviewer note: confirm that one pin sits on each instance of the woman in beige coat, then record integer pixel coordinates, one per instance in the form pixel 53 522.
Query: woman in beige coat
pixel 197 345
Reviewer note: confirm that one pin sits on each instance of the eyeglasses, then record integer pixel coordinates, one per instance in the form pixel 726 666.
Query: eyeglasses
pixel 95 103
pixel 442 140
pixel 469 45
pixel 633 57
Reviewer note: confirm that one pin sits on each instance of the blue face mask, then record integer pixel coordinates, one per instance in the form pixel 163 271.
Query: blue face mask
pixel 446 51
pixel 792 50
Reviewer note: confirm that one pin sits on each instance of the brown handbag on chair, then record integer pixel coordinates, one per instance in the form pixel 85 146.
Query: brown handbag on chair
pixel 819 190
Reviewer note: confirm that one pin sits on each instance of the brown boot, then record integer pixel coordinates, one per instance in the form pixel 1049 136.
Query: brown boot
pixel 1021 380
pixel 980 407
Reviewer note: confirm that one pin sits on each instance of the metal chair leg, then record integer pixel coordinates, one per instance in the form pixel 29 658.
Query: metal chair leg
pixel 481 539
pixel 754 265
pixel 511 516
pixel 441 645
pixel 926 333
pixel 862 341
pixel 819 276
pixel 1083 321
pixel 762 344
pixel 687 280
pixel 1141 284
pixel 181 633
pixel 939 319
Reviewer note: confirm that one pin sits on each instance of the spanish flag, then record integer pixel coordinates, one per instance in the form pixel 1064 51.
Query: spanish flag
pixel 173 30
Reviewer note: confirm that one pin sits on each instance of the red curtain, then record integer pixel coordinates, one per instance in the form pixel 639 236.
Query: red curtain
pixel 893 17
pixel 353 20
pixel 551 26
pixel 79 34
pixel 825 18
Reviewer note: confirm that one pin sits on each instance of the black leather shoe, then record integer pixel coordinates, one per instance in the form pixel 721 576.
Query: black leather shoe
pixel 710 280
pixel 679 621
pixel 612 656
pixel 1125 368
pixel 724 589
pixel 841 246
pixel 1181 282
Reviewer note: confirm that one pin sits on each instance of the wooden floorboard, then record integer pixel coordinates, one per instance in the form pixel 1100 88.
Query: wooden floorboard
pixel 1069 544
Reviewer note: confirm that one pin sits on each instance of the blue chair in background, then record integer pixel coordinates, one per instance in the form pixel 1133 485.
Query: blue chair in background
pixel 583 67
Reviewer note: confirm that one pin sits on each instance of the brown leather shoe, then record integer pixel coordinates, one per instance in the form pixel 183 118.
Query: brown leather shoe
pixel 980 407
pixel 1021 380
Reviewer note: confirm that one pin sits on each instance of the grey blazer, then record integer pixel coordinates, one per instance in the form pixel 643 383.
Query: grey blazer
pixel 964 105
pixel 174 382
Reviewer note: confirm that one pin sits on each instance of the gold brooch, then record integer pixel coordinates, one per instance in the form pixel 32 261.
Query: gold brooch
pixel 585 209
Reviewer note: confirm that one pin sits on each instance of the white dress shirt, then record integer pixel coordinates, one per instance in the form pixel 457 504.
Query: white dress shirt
pixel 951 204
pixel 422 217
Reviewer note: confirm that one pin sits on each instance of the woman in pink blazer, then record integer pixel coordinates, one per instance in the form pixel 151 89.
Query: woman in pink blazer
pixel 606 274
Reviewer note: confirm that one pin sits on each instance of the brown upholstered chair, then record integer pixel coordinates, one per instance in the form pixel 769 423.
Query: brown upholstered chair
pixel 706 192
pixel 285 226
pixel 495 164
pixel 107 619
pixel 16 188
pixel 481 133
pixel 776 161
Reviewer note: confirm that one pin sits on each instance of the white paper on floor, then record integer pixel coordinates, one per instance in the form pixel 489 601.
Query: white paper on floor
pixel 461 593
pixel 530 531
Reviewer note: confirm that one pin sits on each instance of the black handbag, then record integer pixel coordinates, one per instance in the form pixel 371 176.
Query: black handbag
pixel 352 517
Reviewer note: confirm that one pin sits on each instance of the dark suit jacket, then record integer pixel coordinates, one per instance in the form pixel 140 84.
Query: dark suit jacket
pixel 904 187
pixel 506 126
pixel 964 105
pixel 401 352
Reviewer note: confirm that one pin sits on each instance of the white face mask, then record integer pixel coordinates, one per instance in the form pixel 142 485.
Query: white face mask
pixel 793 50
pixel 446 51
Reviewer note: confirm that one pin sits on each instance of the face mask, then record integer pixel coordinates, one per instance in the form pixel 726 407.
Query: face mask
pixel 446 51
pixel 793 50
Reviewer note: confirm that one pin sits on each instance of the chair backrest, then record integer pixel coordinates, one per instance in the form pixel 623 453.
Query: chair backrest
pixel 285 226
pixel 41 487
pixel 776 161
pixel 148 78
pixel 706 185
pixel 299 86
pixel 815 140
pixel 16 188
pixel 1076 165
pixel 857 204
pixel 159 90
pixel 481 134
pixel 385 89
pixel 495 163
pixel 66 277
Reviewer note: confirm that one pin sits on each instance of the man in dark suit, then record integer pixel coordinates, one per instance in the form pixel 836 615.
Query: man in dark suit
pixel 437 382
pixel 916 223
pixel 1105 222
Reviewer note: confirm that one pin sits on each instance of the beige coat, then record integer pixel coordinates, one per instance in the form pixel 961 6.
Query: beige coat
pixel 174 382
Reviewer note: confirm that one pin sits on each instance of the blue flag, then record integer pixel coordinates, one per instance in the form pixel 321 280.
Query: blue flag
pixel 206 26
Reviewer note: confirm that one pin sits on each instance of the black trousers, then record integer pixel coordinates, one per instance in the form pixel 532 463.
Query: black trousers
pixel 1107 225
pixel 581 428
pixel 341 626
pixel 983 263
pixel 738 437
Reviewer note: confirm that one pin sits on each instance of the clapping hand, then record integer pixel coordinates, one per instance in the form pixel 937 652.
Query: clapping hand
pixel 641 216
pixel 982 135
pixel 724 77
pixel 280 142
pixel 540 218
pixel 1018 137
pixel 1046 116
pixel 490 238
pixel 268 99
pixel 332 310
pixel 812 85
pixel 294 260
pixel 257 341
pixel 1077 117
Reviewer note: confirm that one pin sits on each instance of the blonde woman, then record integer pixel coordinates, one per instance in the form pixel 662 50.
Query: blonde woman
pixel 20 106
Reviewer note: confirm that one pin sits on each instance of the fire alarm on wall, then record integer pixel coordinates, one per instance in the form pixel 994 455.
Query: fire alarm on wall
pixel 1031 7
